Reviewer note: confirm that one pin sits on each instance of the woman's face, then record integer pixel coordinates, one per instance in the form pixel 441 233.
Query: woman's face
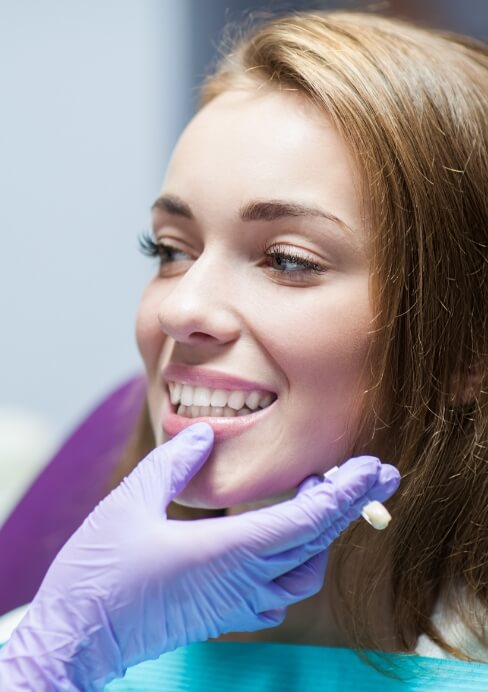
pixel 228 300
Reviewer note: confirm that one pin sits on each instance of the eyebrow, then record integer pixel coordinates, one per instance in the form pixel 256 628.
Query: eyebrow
pixel 253 210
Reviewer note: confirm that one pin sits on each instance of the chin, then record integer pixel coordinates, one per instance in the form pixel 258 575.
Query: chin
pixel 204 495
pixel 197 504
pixel 207 495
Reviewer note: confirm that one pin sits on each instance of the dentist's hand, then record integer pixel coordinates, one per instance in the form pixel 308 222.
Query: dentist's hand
pixel 131 584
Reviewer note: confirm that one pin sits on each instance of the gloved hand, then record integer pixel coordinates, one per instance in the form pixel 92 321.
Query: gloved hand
pixel 131 584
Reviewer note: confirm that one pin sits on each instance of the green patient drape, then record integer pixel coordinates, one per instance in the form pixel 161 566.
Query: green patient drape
pixel 270 667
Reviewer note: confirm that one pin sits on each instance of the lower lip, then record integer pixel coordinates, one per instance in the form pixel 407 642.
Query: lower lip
pixel 223 428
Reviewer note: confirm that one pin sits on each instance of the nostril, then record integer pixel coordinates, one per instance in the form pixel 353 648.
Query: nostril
pixel 201 336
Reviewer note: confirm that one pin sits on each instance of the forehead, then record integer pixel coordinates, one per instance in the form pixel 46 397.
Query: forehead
pixel 255 142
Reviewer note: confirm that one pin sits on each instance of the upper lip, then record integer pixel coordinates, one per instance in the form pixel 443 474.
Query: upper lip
pixel 213 379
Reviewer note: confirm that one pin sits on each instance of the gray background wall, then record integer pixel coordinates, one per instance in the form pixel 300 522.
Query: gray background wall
pixel 93 97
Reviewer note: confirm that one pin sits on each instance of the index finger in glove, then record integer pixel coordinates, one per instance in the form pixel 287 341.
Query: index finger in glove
pixel 302 519
pixel 167 469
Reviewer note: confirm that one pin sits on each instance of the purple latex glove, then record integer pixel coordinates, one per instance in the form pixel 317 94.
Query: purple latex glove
pixel 131 584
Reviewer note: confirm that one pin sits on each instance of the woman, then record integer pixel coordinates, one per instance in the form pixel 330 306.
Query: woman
pixel 398 151
pixel 322 239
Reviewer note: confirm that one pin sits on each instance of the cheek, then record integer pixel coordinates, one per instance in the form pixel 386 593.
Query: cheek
pixel 321 347
pixel 324 338
pixel 149 336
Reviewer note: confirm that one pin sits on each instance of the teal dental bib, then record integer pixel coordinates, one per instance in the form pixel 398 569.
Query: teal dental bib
pixel 272 667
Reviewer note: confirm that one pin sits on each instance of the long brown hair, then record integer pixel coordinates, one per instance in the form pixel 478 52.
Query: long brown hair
pixel 413 105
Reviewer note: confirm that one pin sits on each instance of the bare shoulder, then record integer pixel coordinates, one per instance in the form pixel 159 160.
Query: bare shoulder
pixel 471 641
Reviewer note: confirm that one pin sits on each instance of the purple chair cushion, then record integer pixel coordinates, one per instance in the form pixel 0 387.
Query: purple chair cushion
pixel 64 493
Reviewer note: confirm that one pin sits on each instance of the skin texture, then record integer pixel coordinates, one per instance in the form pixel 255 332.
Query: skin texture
pixel 224 305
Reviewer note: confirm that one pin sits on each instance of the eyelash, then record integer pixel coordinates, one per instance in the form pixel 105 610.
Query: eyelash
pixel 151 249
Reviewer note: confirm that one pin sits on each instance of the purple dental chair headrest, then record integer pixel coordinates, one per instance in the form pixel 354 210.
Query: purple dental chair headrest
pixel 64 493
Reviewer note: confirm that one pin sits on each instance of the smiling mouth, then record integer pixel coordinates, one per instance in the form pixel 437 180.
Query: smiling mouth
pixel 201 402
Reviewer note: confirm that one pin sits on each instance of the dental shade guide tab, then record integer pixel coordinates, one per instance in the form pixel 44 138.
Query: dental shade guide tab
pixel 373 512
pixel 376 514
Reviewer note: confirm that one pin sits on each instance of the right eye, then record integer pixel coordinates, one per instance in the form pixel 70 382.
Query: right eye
pixel 168 254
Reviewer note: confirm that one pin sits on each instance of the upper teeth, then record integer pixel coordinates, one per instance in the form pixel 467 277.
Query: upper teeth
pixel 187 395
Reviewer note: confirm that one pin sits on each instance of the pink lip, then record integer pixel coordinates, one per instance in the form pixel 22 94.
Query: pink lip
pixel 223 427
pixel 176 372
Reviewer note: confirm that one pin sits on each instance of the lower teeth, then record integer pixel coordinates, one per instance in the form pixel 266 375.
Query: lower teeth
pixel 211 411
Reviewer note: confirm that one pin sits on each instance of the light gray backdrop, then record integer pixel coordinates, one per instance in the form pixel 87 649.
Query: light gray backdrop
pixel 93 96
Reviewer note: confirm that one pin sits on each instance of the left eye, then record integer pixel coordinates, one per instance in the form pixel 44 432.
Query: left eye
pixel 286 262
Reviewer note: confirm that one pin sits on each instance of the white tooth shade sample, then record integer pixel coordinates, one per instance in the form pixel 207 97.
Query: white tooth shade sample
pixel 373 512
pixel 376 514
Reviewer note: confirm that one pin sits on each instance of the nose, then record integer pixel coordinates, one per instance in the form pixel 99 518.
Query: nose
pixel 201 306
